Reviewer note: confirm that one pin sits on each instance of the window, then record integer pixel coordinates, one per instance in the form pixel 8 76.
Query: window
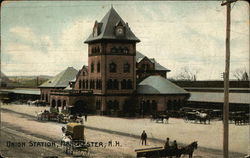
pixel 126 67
pixel 113 50
pixel 112 67
pixel 80 84
pixel 58 103
pixel 99 84
pixel 64 103
pixel 126 51
pixel 98 67
pixel 116 84
pixel 83 84
pixel 92 84
pixel 87 84
pixel 129 84
pixel 92 67
pixel 120 50
pixel 92 50
pixel 53 103
pixel 123 84
pixel 110 84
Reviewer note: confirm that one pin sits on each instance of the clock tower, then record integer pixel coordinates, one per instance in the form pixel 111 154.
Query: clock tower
pixel 111 63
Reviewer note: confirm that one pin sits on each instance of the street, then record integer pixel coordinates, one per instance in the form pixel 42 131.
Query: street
pixel 22 127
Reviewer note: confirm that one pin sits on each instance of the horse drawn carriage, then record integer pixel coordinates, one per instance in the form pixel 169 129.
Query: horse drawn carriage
pixel 163 118
pixel 197 116
pixel 47 115
pixel 167 152
pixel 74 139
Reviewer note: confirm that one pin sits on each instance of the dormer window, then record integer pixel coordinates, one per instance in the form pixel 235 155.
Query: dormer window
pixel 97 29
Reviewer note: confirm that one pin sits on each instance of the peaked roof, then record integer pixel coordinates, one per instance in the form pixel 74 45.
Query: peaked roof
pixel 62 79
pixel 107 24
pixel 140 56
pixel 158 85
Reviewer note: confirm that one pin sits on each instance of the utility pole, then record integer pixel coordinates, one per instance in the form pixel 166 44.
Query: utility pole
pixel 226 80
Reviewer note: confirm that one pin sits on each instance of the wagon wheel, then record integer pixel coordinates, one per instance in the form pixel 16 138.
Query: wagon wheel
pixel 86 152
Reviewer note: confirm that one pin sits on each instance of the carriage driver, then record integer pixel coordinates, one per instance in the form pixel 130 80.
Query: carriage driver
pixel 166 146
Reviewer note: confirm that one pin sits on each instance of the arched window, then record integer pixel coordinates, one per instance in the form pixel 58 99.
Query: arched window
pixel 100 84
pixel 80 84
pixel 98 67
pixel 64 103
pixel 83 84
pixel 97 84
pixel 126 67
pixel 53 103
pixel 129 84
pixel 112 67
pixel 116 84
pixel 110 84
pixel 46 97
pixel 123 84
pixel 59 103
pixel 87 84
pixel 92 84
pixel 92 67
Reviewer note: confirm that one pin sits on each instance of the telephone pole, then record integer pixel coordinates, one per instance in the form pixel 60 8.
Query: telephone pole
pixel 226 79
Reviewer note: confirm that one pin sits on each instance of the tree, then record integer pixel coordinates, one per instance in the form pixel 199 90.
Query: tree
pixel 241 75
pixel 187 75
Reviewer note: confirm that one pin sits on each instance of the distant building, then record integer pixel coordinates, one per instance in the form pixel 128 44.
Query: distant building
pixel 110 84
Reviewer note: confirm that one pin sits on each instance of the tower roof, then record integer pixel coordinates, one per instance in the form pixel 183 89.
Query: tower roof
pixel 106 28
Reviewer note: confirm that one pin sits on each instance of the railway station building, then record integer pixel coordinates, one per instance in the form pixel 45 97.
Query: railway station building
pixel 119 80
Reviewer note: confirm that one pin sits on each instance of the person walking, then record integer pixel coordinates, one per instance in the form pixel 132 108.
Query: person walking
pixel 144 137
pixel 86 117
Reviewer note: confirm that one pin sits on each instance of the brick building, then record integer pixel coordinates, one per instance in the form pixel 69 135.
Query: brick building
pixel 109 84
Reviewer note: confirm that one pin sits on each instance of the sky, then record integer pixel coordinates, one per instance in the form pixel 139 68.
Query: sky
pixel 46 37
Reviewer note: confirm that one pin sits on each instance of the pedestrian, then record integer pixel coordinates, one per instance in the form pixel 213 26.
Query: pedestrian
pixel 144 137
pixel 175 146
pixel 86 116
pixel 166 146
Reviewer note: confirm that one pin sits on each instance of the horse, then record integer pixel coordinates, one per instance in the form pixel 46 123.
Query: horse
pixel 160 118
pixel 188 150
pixel 202 117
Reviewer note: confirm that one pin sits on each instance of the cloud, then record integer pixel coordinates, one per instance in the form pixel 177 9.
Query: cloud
pixel 24 32
pixel 175 34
